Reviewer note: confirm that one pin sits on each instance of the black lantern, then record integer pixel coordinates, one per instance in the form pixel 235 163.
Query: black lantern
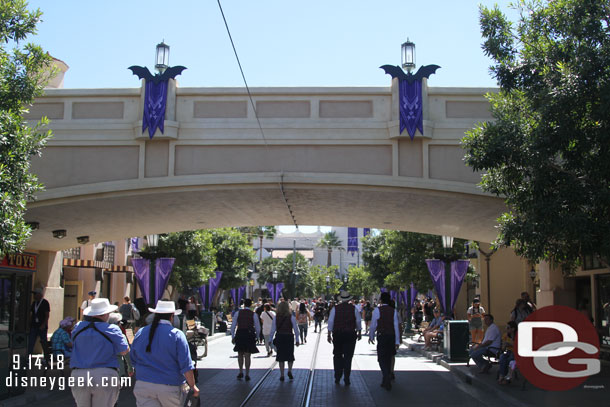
pixel 59 233
pixel 533 274
pixel 408 55
pixel 162 57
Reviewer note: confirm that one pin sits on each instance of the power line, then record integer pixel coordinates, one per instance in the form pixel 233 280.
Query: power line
pixel 281 183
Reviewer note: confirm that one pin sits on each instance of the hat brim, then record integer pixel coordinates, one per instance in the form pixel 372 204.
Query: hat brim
pixel 176 312
pixel 89 312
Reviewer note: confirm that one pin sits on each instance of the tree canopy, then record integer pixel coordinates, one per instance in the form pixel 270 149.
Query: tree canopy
pixel 23 74
pixel 233 256
pixel 329 241
pixel 547 150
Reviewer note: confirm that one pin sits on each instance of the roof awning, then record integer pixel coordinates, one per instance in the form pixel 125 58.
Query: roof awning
pixel 95 264
pixel 282 254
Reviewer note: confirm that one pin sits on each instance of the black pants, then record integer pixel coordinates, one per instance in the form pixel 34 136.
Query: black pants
pixel 318 323
pixel 344 344
pixel 386 349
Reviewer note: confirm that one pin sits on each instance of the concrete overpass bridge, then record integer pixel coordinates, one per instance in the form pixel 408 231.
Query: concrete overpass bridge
pixel 320 156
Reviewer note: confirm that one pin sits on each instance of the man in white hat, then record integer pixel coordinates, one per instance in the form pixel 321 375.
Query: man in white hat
pixel 344 327
pixel 96 345
pixel 161 357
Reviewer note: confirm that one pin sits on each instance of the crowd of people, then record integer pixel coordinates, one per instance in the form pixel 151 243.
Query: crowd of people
pixel 97 346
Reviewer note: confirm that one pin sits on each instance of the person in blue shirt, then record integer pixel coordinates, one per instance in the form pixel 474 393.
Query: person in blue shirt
pixel 160 356
pixel 96 345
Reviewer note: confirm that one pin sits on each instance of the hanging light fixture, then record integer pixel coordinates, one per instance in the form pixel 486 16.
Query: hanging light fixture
pixel 447 242
pixel 408 55
pixel 152 240
pixel 59 233
pixel 162 57
pixel 82 239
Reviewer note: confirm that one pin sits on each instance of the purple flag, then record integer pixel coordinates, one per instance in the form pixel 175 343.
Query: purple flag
pixel 270 289
pixel 134 244
pixel 366 231
pixel 393 295
pixel 458 272
pixel 155 100
pixel 437 272
pixel 163 271
pixel 234 295
pixel 213 282
pixel 413 293
pixel 241 293
pixel 404 297
pixel 278 291
pixel 352 240
pixel 203 290
pixel 383 290
pixel 141 269
pixel 411 110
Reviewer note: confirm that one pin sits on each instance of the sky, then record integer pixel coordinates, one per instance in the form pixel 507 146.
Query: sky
pixel 279 42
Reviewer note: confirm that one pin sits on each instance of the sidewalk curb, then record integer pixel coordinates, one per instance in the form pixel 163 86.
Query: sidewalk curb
pixel 27 398
pixel 467 377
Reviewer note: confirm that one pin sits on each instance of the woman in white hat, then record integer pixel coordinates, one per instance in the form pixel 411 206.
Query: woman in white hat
pixel 160 355
pixel 96 345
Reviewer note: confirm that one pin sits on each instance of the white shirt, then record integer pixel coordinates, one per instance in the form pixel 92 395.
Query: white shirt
pixel 85 304
pixel 294 305
pixel 492 333
pixel 267 317
pixel 374 320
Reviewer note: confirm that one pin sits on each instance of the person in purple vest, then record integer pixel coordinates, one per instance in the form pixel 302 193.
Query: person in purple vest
pixel 385 322
pixel 248 327
pixel 344 327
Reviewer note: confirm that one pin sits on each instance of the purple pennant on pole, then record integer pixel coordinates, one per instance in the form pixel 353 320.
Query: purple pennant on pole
pixel 437 272
pixel 411 107
pixel 234 295
pixel 241 293
pixel 404 297
pixel 393 295
pixel 352 240
pixel 155 101
pixel 278 291
pixel 141 269
pixel 203 291
pixel 458 272
pixel 163 271
pixel 383 290
pixel 413 293
pixel 271 292
pixel 366 231
pixel 214 283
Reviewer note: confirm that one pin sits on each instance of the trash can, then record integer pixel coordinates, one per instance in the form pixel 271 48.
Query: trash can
pixel 455 341
pixel 208 320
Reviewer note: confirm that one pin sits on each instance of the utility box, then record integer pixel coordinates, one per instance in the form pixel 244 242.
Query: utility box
pixel 208 320
pixel 455 341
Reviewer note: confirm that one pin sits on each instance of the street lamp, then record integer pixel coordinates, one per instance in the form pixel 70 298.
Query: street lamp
pixel 327 286
pixel 274 275
pixel 152 241
pixel 447 244
pixel 162 57
pixel 408 55
pixel 533 277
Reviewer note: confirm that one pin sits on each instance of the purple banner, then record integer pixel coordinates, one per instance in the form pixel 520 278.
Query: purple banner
pixel 413 293
pixel 383 290
pixel 135 244
pixel 394 296
pixel 366 231
pixel 155 100
pixel 352 240
pixel 271 291
pixel 437 272
pixel 458 272
pixel 213 282
pixel 241 293
pixel 411 111
pixel 141 269
pixel 278 291
pixel 404 297
pixel 203 290
pixel 163 271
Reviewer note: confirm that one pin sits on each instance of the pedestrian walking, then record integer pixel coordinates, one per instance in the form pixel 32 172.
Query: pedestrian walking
pixel 284 331
pixel 267 318
pixel 385 322
pixel 129 313
pixel 245 329
pixel 160 355
pixel 303 318
pixel 475 321
pixel 90 297
pixel 95 347
pixel 39 325
pixel 344 328
pixel 318 316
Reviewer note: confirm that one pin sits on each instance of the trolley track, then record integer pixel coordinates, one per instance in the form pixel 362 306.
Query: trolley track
pixel 306 399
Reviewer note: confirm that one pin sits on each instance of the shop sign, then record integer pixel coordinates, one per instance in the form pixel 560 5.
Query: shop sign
pixel 20 261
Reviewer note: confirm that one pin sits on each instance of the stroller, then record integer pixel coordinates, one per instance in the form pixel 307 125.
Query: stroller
pixel 197 336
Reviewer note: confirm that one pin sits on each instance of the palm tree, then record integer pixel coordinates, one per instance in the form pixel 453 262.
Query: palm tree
pixel 329 241
pixel 262 232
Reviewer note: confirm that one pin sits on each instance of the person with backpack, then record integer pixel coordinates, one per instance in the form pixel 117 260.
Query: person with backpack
pixel 96 345
pixel 129 313
pixel 162 361
pixel 267 319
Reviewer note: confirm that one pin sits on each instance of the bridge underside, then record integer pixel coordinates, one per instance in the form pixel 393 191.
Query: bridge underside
pixel 113 215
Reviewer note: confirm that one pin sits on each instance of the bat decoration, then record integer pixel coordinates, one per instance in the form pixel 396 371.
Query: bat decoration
pixel 170 73
pixel 422 72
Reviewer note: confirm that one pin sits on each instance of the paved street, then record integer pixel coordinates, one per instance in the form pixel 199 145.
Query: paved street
pixel 419 381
